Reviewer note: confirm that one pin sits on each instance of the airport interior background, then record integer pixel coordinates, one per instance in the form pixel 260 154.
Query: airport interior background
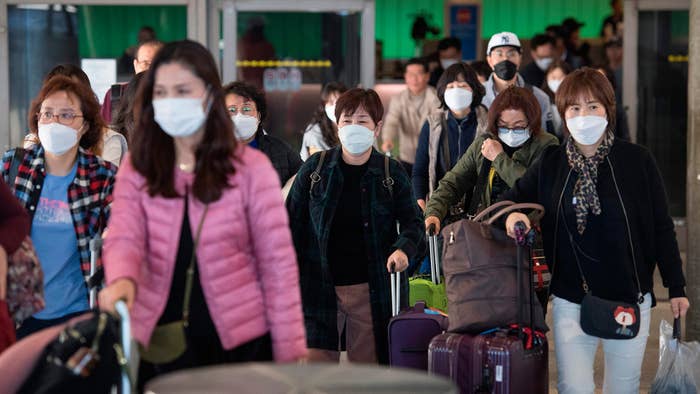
pixel 309 48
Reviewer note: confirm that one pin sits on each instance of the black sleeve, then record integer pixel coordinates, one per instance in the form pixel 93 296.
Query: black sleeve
pixel 668 256
pixel 526 188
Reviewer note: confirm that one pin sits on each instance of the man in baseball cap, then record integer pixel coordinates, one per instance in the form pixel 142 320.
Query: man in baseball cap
pixel 503 54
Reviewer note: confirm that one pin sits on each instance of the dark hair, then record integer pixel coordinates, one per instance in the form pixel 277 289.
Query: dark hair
pixel 469 75
pixel 557 63
pixel 519 99
pixel 249 92
pixel 587 82
pixel 355 98
pixel 541 40
pixel 70 71
pixel 609 73
pixel 449 42
pixel 329 130
pixel 89 106
pixel 482 68
pixel 418 62
pixel 153 151
pixel 555 31
pixel 123 121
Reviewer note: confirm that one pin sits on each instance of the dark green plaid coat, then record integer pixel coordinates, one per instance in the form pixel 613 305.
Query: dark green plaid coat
pixel 311 216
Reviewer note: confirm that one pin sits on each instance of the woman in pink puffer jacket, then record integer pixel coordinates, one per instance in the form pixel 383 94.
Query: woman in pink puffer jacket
pixel 185 172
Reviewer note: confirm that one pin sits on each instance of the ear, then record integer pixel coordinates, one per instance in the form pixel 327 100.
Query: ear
pixel 378 128
pixel 136 62
pixel 489 61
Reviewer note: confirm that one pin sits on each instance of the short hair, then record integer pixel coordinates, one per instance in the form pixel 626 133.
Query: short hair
pixel 418 62
pixel 89 107
pixel 70 71
pixel 541 40
pixel 249 92
pixel 449 42
pixel 519 99
pixel 469 75
pixel 355 98
pixel 124 122
pixel 482 68
pixel 587 82
pixel 153 151
pixel 150 43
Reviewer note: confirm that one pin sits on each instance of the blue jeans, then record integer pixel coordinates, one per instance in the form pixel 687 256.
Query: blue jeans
pixel 575 352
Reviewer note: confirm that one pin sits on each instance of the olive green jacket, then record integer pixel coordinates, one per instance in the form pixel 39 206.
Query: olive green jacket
pixel 463 177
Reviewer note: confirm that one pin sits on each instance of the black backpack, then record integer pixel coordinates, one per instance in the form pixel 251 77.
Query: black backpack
pixel 85 358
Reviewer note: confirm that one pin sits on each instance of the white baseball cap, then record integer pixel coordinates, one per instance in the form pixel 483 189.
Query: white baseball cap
pixel 503 39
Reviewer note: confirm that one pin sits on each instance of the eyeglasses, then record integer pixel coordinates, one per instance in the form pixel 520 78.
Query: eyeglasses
pixel 244 110
pixel 514 129
pixel 65 118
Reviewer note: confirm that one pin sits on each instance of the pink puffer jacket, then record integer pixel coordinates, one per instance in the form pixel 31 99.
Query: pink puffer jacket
pixel 246 258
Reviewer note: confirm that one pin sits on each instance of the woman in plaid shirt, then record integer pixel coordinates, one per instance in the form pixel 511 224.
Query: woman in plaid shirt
pixel 66 189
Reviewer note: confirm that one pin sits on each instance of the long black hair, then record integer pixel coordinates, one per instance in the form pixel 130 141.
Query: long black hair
pixel 329 130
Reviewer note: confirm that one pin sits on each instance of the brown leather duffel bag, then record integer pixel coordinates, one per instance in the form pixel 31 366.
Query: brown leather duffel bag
pixel 480 267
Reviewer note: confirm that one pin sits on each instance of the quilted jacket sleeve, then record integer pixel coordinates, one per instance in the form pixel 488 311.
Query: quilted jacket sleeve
pixel 276 259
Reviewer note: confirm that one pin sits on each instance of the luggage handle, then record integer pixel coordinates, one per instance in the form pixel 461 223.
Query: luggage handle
pixel 395 291
pixel 480 217
pixel 125 321
pixel 519 281
pixel 434 255
pixel 539 209
pixel 96 275
pixel 677 328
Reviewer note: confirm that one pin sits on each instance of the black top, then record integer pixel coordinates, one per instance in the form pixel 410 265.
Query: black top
pixel 533 74
pixel 284 159
pixel 347 252
pixel 201 326
pixel 644 197
pixel 606 260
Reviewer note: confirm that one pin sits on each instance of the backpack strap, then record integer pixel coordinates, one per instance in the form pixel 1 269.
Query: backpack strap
pixel 388 181
pixel 316 175
pixel 17 158
pixel 445 135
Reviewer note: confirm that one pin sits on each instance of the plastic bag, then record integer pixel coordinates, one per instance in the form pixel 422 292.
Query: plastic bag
pixel 679 363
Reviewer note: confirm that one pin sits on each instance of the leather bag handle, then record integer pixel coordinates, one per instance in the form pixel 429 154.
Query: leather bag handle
pixel 539 209
pixel 480 217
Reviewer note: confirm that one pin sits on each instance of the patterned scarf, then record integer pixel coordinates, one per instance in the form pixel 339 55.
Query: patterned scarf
pixel 585 192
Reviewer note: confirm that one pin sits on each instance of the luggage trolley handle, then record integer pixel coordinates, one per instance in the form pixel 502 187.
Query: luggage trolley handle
pixel 395 291
pixel 125 330
pixel 434 255
pixel 95 275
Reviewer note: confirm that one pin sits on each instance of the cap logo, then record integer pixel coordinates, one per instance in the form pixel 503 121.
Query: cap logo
pixel 504 39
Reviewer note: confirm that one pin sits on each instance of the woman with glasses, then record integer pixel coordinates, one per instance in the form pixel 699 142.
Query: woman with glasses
pixel 512 142
pixel 67 192
pixel 247 108
pixel 198 217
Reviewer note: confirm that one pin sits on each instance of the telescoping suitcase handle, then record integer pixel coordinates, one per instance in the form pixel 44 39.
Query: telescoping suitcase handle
pixel 395 291
pixel 96 276
pixel 523 240
pixel 125 329
pixel 434 255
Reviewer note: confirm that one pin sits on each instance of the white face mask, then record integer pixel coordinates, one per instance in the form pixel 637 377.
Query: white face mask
pixel 246 126
pixel 446 63
pixel 554 84
pixel 330 112
pixel 587 130
pixel 458 99
pixel 356 139
pixel 513 138
pixel 179 117
pixel 544 63
pixel 57 138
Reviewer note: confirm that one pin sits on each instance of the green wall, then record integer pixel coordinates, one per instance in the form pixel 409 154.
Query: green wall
pixel 106 31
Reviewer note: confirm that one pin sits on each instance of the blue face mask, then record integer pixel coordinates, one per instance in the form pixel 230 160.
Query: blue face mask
pixel 513 137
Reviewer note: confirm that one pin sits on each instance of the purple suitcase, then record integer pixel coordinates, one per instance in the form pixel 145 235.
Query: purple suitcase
pixel 491 363
pixel 410 333
pixel 496 362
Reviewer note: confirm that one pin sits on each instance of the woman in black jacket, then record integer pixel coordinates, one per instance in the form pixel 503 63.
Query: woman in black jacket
pixel 605 229
pixel 248 110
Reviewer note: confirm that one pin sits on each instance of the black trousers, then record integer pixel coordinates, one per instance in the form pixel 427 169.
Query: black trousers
pixel 202 352
pixel 32 325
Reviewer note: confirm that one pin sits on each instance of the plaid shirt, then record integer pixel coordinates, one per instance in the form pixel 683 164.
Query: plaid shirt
pixel 311 217
pixel 89 196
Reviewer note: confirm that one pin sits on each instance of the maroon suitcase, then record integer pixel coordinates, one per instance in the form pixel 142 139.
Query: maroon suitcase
pixel 491 363
pixel 501 361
